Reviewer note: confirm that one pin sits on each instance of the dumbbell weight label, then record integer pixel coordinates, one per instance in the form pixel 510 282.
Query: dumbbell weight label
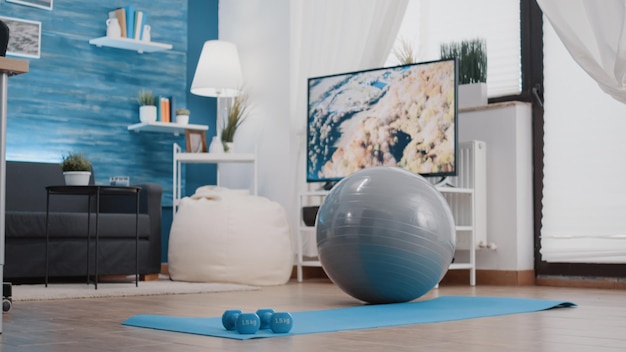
pixel 248 323
pixel 281 322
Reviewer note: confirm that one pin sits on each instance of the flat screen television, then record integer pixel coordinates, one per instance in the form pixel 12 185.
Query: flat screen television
pixel 403 116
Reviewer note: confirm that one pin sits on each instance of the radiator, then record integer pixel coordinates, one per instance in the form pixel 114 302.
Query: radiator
pixel 466 194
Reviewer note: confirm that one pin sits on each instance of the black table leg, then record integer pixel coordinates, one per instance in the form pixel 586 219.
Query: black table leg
pixel 137 239
pixel 88 237
pixel 47 234
pixel 97 237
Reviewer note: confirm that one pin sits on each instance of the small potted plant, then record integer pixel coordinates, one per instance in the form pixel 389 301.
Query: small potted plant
pixel 235 116
pixel 472 60
pixel 182 116
pixel 147 107
pixel 76 169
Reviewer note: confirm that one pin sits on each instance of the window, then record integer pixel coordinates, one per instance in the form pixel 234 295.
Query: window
pixel 428 24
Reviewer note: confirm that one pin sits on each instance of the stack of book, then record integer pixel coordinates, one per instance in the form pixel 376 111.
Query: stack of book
pixel 132 22
pixel 166 110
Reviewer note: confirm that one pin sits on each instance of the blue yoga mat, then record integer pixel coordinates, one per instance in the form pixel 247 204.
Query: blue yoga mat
pixel 446 308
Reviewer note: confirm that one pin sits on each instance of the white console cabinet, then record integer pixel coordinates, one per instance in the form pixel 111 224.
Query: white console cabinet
pixel 181 158
pixel 466 196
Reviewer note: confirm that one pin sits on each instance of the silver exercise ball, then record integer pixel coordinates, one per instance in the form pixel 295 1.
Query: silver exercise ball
pixel 385 235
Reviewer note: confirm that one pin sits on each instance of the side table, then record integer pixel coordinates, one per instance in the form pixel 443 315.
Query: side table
pixel 94 191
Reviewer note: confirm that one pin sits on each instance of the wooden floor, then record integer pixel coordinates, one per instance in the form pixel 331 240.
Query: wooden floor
pixel 597 324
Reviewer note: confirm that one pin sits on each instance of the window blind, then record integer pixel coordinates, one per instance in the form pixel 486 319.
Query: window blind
pixel 427 24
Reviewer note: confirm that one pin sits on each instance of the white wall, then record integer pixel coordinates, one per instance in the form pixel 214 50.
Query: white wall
pixel 260 29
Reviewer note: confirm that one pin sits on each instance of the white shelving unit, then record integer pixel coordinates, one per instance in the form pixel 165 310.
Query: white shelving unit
pixel 181 158
pixel 166 127
pixel 130 44
pixel 466 196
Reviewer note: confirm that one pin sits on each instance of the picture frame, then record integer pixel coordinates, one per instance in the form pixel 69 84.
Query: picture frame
pixel 196 141
pixel 41 4
pixel 24 37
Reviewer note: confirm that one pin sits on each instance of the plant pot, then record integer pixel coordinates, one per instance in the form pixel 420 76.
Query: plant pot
pixel 472 95
pixel 229 147
pixel 77 178
pixel 147 113
pixel 182 119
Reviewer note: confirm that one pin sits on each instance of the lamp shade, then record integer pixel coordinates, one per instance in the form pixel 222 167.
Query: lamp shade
pixel 218 73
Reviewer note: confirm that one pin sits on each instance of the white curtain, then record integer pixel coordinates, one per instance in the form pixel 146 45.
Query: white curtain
pixel 594 33
pixel 584 196
pixel 331 36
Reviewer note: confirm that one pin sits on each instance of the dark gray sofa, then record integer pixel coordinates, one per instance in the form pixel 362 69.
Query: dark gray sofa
pixel 25 228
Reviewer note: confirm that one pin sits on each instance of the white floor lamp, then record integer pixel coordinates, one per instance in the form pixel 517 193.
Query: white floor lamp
pixel 218 74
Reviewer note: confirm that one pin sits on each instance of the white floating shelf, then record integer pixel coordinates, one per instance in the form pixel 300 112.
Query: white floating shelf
pixel 130 44
pixel 166 127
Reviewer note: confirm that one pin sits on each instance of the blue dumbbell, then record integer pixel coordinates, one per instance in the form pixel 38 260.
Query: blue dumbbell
pixel 265 314
pixel 248 323
pixel 229 318
pixel 281 322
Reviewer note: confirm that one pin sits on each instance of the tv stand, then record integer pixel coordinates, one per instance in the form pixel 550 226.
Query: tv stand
pixel 445 182
pixel 329 185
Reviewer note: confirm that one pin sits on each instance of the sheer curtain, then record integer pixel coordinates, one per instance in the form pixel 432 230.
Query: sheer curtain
pixel 330 36
pixel 584 196
pixel 594 33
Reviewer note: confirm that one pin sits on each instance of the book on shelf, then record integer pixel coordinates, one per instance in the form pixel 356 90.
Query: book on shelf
pixel 120 14
pixel 172 109
pixel 130 20
pixel 163 109
pixel 140 19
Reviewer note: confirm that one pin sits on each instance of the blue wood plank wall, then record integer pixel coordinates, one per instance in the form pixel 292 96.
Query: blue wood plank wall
pixel 80 98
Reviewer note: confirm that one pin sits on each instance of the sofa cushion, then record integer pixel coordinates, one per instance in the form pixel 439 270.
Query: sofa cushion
pixel 22 224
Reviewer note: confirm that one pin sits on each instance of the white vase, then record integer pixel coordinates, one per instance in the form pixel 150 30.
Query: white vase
pixel 182 119
pixel 77 178
pixel 472 95
pixel 147 113
pixel 216 146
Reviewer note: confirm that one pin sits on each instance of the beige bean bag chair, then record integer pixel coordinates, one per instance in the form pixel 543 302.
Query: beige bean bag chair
pixel 222 235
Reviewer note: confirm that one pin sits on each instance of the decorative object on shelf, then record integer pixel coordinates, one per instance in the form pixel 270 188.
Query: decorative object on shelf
pixel 147 107
pixel 113 28
pixel 28 42
pixel 76 169
pixel 216 145
pixel 196 141
pixel 146 37
pixel 472 57
pixel 218 74
pixel 123 181
pixel 404 53
pixel 182 116
pixel 236 115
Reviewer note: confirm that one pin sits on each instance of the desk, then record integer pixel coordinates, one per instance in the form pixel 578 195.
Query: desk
pixel 91 191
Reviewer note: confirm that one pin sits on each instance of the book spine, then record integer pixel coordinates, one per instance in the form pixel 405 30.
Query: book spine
pixel 130 20
pixel 157 102
pixel 120 13
pixel 138 24
pixel 172 109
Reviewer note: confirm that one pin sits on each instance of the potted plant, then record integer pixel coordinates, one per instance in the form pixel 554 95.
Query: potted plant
pixel 76 169
pixel 235 116
pixel 472 59
pixel 182 116
pixel 147 107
